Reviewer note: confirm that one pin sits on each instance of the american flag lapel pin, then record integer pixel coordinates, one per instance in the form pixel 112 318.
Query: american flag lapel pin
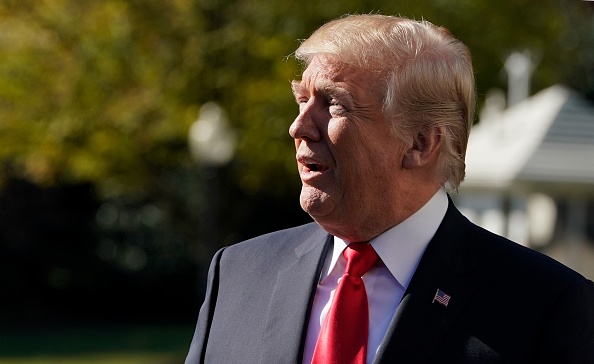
pixel 441 297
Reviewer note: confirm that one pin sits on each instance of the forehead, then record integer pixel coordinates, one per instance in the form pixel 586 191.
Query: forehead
pixel 327 67
pixel 324 70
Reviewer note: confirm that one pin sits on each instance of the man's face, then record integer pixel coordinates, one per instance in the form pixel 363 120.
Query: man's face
pixel 349 161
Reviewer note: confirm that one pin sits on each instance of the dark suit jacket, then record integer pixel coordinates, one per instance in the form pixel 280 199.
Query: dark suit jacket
pixel 508 304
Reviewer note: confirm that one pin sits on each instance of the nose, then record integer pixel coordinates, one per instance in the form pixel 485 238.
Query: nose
pixel 304 126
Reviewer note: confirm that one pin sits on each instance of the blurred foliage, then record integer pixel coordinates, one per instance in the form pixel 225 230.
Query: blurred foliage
pixel 105 91
pixel 94 91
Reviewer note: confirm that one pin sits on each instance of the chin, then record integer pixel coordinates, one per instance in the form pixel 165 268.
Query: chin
pixel 316 203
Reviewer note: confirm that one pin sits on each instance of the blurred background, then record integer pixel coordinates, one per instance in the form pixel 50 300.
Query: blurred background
pixel 138 137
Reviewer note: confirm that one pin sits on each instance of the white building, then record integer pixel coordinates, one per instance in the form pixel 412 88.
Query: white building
pixel 530 174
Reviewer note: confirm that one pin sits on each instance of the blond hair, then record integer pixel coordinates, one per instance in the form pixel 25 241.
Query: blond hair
pixel 426 73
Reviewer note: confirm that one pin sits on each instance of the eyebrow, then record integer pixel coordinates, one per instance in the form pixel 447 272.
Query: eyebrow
pixel 339 92
pixel 297 87
pixel 325 88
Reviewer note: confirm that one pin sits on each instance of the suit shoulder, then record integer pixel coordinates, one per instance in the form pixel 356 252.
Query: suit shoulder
pixel 276 243
pixel 293 233
pixel 261 256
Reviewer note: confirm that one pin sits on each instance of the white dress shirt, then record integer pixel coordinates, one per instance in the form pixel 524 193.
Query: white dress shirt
pixel 400 249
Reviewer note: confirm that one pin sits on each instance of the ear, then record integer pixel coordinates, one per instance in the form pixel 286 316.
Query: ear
pixel 425 148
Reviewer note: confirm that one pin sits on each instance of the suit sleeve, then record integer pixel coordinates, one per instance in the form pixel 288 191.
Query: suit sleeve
pixel 569 337
pixel 198 346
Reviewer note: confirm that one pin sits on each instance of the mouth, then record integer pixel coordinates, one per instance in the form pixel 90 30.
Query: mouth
pixel 310 168
pixel 314 167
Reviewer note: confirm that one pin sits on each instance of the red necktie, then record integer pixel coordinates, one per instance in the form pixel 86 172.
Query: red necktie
pixel 343 336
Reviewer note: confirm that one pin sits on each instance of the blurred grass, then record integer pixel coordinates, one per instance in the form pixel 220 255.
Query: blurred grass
pixel 111 358
pixel 146 344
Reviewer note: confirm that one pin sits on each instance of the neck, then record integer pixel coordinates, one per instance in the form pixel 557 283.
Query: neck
pixel 387 216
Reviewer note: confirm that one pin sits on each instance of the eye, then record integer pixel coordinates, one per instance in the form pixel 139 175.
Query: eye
pixel 301 101
pixel 336 107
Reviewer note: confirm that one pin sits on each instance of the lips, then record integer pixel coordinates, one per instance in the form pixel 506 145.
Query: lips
pixel 311 167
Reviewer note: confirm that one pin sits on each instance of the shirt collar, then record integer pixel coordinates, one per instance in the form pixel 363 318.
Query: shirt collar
pixel 402 246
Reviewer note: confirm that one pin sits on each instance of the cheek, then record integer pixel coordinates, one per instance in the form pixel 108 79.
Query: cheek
pixel 375 162
pixel 337 131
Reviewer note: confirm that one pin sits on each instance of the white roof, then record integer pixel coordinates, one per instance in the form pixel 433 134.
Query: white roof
pixel 548 137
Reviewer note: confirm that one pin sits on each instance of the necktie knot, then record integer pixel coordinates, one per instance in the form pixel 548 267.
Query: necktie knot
pixel 360 258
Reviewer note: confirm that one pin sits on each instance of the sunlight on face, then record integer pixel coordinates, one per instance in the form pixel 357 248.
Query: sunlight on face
pixel 348 158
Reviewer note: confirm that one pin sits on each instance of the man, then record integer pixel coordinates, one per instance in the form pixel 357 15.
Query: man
pixel 385 109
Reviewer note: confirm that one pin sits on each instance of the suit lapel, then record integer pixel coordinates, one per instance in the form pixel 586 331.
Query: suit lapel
pixel 419 323
pixel 291 301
